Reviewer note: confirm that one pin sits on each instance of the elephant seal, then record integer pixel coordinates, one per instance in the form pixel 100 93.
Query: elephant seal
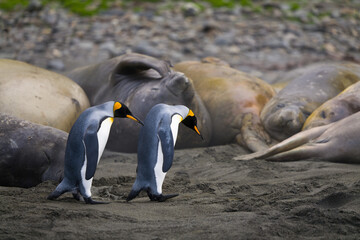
pixel 141 82
pixel 38 95
pixel 339 107
pixel 30 153
pixel 234 100
pixel 285 114
pixel 334 142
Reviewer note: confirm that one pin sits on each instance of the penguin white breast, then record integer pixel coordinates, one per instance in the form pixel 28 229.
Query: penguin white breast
pixel 175 120
pixel 159 174
pixel 103 134
pixel 86 183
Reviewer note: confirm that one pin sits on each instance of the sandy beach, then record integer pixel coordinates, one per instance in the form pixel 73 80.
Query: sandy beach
pixel 219 199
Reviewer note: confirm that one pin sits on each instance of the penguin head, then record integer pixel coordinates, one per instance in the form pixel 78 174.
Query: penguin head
pixel 122 111
pixel 190 121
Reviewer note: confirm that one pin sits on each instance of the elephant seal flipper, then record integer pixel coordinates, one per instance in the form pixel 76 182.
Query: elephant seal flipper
pixel 306 152
pixel 288 144
pixel 335 142
pixel 253 135
pixel 134 63
pixel 313 150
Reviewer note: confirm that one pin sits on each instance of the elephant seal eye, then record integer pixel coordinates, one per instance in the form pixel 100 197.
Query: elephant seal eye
pixel 322 114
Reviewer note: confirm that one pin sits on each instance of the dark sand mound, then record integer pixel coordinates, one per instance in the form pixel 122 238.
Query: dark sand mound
pixel 219 199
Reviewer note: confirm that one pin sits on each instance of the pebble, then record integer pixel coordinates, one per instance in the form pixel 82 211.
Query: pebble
pixel 56 64
pixel 259 43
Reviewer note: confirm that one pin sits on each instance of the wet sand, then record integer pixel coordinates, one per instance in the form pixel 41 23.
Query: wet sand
pixel 219 199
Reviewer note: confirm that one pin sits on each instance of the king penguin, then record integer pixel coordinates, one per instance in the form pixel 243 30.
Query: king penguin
pixel 156 148
pixel 84 147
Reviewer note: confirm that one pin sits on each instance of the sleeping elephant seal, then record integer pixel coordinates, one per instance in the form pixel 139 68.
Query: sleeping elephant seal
pixel 339 107
pixel 37 95
pixel 234 100
pixel 30 153
pixel 285 114
pixel 334 142
pixel 141 82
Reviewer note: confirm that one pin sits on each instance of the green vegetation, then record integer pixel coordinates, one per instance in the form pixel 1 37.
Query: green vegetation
pixel 9 5
pixel 84 7
pixel 93 7
pixel 81 7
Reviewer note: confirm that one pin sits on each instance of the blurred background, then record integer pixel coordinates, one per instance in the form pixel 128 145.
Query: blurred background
pixel 264 38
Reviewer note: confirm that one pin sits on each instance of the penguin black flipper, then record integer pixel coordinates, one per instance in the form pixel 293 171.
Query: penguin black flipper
pixel 167 146
pixel 92 151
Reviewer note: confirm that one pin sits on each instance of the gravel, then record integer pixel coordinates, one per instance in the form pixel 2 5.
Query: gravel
pixel 262 44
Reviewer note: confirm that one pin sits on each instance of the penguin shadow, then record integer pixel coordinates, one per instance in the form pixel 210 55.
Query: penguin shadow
pixel 113 189
pixel 337 200
pixel 117 189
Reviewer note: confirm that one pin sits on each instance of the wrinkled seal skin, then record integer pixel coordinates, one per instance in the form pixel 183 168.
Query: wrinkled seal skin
pixel 339 107
pixel 30 153
pixel 334 142
pixel 285 114
pixel 141 82
pixel 37 95
pixel 234 100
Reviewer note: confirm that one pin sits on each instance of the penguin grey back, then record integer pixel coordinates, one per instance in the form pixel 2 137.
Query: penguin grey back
pixel 158 118
pixel 158 129
pixel 92 116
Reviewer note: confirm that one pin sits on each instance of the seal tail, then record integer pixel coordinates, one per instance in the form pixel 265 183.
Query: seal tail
pixel 306 152
pixel 292 142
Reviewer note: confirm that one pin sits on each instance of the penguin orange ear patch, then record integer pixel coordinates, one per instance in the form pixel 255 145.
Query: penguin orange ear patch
pixel 117 106
pixel 191 114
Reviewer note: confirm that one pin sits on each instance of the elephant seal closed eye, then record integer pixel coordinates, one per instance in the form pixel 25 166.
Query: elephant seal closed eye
pixel 337 108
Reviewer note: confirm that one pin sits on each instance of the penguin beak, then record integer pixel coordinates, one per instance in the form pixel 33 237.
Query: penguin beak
pixel 190 121
pixel 135 119
pixel 198 132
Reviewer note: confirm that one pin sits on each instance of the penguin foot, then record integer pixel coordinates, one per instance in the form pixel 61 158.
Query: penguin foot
pixel 54 195
pixel 162 198
pixel 51 197
pixel 89 200
pixel 76 193
pixel 132 195
pixel 76 196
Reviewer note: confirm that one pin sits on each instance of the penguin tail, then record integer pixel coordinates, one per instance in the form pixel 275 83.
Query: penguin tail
pixel 133 194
